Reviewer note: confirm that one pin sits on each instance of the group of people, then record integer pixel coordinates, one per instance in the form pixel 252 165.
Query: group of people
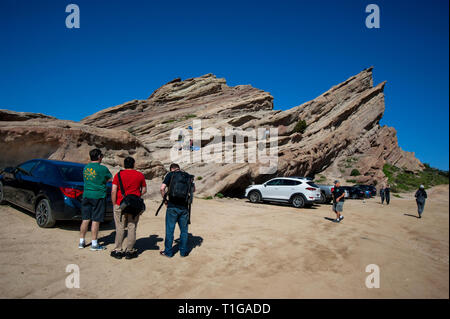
pixel 128 182
pixel 338 195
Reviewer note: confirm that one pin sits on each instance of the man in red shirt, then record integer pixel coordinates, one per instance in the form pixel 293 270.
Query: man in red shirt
pixel 133 183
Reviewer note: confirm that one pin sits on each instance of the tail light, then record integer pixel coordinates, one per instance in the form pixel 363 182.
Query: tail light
pixel 311 189
pixel 71 192
pixel 332 189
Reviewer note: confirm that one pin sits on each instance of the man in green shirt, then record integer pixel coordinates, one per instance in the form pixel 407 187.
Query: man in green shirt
pixel 94 197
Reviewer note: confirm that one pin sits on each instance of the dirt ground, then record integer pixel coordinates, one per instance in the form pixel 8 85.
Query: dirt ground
pixel 242 250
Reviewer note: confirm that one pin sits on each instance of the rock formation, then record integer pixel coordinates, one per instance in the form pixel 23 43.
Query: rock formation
pixel 342 133
pixel 46 137
pixel 342 123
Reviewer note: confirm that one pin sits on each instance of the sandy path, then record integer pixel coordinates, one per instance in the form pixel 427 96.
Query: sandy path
pixel 242 251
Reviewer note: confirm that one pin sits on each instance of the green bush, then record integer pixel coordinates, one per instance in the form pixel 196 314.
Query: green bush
pixel 300 127
pixel 208 197
pixel 199 178
pixel 355 172
pixel 219 195
pixel 402 180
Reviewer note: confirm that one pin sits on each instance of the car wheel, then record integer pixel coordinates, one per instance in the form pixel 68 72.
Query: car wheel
pixel 1 194
pixel 323 198
pixel 44 217
pixel 254 197
pixel 298 201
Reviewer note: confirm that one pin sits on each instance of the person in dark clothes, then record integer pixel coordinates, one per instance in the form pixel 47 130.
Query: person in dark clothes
pixel 387 194
pixel 420 196
pixel 338 201
pixel 382 195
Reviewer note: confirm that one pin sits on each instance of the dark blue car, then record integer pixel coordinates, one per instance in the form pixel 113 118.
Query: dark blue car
pixel 51 189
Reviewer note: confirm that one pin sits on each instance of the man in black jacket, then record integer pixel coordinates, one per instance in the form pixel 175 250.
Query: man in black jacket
pixel 420 195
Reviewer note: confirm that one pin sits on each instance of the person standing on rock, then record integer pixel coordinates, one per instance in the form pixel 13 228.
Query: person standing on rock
pixel 387 194
pixel 93 205
pixel 382 195
pixel 420 196
pixel 133 183
pixel 179 187
pixel 338 201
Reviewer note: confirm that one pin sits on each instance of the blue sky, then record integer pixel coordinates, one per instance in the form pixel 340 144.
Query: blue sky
pixel 295 50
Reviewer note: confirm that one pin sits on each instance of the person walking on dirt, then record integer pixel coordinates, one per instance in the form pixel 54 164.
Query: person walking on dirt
pixel 420 196
pixel 133 183
pixel 387 194
pixel 338 201
pixel 93 205
pixel 382 195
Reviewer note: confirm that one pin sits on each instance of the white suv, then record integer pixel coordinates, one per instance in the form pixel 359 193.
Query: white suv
pixel 298 191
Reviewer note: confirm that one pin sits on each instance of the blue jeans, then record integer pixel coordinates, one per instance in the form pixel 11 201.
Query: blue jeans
pixel 176 215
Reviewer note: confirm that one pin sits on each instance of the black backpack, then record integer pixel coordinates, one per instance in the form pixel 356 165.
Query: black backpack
pixel 180 187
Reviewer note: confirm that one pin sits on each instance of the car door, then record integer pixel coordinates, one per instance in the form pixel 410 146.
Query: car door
pixel 271 188
pixel 27 185
pixel 14 182
pixel 288 188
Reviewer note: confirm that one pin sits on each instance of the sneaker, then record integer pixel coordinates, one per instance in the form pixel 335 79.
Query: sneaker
pixel 81 245
pixel 98 247
pixel 336 220
pixel 131 254
pixel 341 218
pixel 117 254
pixel 162 253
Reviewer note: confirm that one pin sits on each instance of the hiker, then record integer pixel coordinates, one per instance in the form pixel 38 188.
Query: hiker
pixel 387 194
pixel 382 195
pixel 133 183
pixel 177 185
pixel 420 196
pixel 338 201
pixel 93 206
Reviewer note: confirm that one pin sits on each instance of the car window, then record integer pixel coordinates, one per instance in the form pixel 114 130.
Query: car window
pixel 46 171
pixel 28 166
pixel 292 182
pixel 312 184
pixel 274 182
pixel 71 173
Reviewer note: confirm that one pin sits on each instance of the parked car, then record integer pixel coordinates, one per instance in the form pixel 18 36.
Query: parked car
pixel 372 191
pixel 50 189
pixel 355 192
pixel 297 191
pixel 325 193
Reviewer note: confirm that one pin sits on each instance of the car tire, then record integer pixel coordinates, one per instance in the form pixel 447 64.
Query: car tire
pixel 254 197
pixel 323 198
pixel 298 201
pixel 2 195
pixel 44 216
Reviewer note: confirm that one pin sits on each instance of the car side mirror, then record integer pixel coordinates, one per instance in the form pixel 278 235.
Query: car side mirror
pixel 265 185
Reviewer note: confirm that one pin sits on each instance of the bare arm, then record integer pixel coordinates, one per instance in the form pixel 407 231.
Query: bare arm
pixel 163 189
pixel 114 194
pixel 143 190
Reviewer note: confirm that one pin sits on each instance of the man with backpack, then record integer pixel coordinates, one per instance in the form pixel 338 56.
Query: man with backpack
pixel 93 206
pixel 179 187
pixel 338 201
pixel 421 196
pixel 387 194
pixel 128 182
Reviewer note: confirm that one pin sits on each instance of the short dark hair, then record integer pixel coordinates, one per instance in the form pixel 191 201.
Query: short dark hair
pixel 95 154
pixel 128 162
pixel 174 166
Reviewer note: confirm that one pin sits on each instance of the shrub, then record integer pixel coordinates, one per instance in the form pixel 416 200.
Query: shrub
pixel 219 195
pixel 300 127
pixel 209 197
pixel 199 178
pixel 355 172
